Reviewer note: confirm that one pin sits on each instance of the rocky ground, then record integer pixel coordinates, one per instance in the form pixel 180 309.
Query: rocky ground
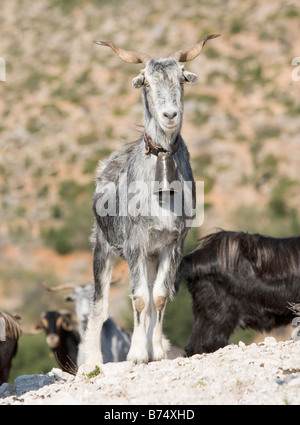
pixel 263 373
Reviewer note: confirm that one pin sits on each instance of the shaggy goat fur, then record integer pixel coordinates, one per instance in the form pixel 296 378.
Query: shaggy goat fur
pixel 240 279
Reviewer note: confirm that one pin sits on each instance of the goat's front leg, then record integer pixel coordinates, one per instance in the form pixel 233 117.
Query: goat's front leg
pixel 138 352
pixel 162 290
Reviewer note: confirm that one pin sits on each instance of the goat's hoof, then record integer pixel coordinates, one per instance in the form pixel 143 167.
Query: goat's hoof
pixel 156 357
pixel 137 359
pixel 158 353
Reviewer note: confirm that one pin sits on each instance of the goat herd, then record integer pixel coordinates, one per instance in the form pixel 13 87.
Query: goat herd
pixel 64 331
pixel 234 278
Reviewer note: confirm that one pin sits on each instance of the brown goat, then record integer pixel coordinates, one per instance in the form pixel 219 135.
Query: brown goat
pixel 10 332
pixel 62 337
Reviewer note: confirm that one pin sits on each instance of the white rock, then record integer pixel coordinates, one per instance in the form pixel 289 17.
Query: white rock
pixel 239 374
pixel 270 341
pixel 60 374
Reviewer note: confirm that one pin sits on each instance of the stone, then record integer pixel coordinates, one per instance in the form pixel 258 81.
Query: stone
pixel 7 389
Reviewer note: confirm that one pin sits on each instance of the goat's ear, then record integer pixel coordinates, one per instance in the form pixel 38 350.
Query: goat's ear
pixel 67 323
pixel 43 322
pixel 39 325
pixel 138 81
pixel 189 77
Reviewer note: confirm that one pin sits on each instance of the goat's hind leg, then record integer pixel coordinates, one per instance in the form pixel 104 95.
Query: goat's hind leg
pixel 103 262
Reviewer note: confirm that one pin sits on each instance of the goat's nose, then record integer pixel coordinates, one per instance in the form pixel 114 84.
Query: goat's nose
pixel 52 340
pixel 170 115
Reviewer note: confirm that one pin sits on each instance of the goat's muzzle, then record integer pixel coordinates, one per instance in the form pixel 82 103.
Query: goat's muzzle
pixel 52 340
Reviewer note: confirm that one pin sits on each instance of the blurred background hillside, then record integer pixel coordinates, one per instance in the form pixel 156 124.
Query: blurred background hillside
pixel 67 103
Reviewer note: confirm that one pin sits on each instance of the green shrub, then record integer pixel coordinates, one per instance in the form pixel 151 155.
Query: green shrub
pixel 92 161
pixel 267 132
pixel 277 219
pixel 59 239
pixel 69 190
pixel 192 240
pixel 245 335
pixel 179 317
pixel 74 213
pixel 291 11
pixel 88 138
pixel 200 170
pixel 279 196
pixel 236 25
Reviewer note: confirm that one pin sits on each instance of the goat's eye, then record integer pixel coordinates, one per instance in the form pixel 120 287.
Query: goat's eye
pixel 182 80
pixel 147 85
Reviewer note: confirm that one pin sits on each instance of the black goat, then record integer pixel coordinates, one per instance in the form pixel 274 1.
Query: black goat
pixel 10 332
pixel 62 337
pixel 240 279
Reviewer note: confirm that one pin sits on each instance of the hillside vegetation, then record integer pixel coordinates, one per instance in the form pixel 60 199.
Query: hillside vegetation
pixel 67 103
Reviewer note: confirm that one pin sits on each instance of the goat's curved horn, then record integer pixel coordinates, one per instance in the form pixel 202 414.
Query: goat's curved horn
pixel 126 55
pixel 32 331
pixel 59 287
pixel 191 53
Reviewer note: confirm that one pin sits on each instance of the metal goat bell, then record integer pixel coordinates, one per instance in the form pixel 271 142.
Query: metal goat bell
pixel 165 174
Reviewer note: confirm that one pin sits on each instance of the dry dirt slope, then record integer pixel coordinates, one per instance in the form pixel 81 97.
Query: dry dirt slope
pixel 264 373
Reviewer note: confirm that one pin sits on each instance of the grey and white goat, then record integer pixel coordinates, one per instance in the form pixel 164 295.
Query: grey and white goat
pixel 115 341
pixel 131 221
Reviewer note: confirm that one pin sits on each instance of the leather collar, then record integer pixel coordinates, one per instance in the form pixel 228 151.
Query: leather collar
pixel 152 148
